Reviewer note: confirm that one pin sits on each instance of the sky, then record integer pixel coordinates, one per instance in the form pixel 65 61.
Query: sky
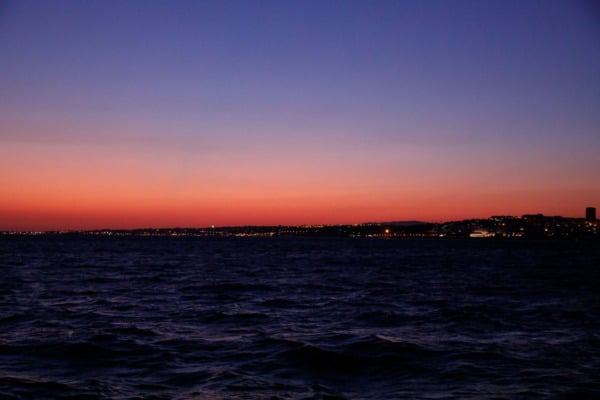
pixel 125 114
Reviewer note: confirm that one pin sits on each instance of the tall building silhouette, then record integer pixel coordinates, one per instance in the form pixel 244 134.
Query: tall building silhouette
pixel 590 213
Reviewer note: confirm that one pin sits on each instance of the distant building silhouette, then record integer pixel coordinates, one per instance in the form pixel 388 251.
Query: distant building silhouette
pixel 590 213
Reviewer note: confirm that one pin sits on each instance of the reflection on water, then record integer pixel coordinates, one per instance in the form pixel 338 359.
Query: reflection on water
pixel 297 318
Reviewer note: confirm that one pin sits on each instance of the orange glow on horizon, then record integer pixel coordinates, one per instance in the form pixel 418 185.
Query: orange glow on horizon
pixel 67 211
pixel 66 186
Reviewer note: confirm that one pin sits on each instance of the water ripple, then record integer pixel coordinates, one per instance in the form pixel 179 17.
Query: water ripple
pixel 173 318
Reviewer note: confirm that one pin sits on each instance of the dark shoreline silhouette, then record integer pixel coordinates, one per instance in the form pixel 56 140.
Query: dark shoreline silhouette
pixel 530 226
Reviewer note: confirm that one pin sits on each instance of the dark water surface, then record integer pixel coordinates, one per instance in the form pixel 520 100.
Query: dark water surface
pixel 296 318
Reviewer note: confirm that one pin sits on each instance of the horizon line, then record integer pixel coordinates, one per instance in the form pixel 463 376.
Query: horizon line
pixel 212 226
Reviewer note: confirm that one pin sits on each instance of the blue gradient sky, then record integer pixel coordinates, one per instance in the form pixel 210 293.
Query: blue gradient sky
pixel 156 113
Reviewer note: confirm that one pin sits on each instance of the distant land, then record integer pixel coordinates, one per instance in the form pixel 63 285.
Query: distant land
pixel 536 226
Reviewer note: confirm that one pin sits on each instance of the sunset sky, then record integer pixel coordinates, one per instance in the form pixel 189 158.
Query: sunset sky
pixel 123 114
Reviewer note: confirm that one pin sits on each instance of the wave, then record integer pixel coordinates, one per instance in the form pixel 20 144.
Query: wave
pixel 294 319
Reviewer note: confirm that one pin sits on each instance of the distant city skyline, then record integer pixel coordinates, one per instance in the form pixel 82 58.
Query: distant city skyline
pixel 183 113
pixel 587 220
pixel 528 226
